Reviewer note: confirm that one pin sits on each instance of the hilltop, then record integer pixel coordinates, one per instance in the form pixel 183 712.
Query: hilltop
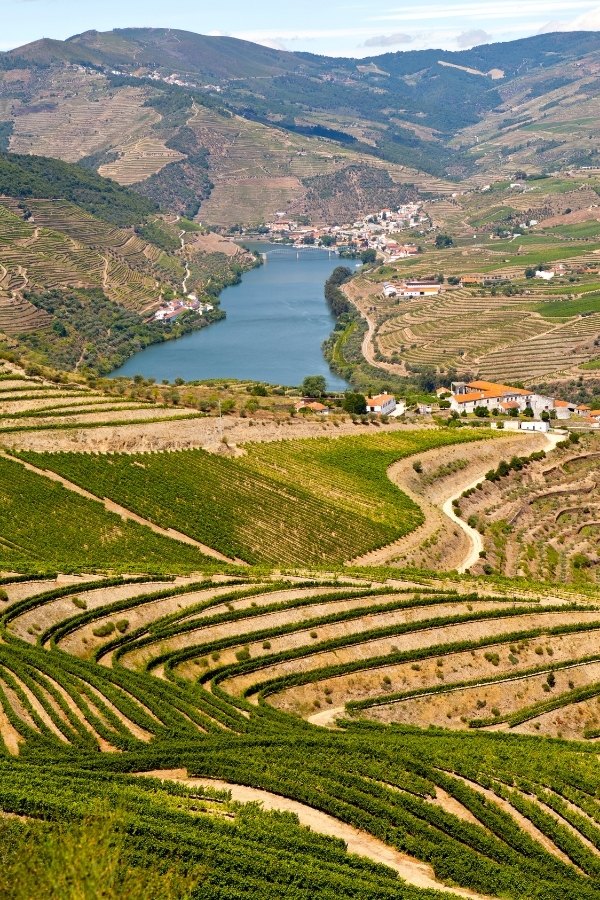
pixel 242 131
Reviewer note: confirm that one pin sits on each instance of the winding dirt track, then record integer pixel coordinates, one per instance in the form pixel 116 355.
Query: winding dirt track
pixel 123 512
pixel 475 540
pixel 359 842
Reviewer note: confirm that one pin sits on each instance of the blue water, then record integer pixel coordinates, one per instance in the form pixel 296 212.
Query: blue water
pixel 277 319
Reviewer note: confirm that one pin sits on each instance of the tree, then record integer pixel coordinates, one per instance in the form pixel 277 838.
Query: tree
pixel 530 272
pixel 481 412
pixel 443 241
pixel 355 403
pixel 528 412
pixel 314 386
pixel 328 240
pixel 368 256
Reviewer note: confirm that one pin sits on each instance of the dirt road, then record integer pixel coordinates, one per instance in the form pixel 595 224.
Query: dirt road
pixel 362 843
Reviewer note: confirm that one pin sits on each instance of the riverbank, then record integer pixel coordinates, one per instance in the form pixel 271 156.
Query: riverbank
pixel 276 321
pixel 349 348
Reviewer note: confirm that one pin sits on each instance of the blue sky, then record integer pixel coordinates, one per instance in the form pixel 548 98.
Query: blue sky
pixel 336 27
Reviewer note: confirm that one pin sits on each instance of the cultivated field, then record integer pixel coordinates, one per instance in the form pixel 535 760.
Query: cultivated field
pixel 63 247
pixel 309 502
pixel 163 677
pixel 532 331
pixel 76 116
pixel 544 522
pixel 174 659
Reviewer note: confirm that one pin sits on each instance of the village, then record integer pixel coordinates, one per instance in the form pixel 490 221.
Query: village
pixel 373 232
pixel 510 407
pixel 172 309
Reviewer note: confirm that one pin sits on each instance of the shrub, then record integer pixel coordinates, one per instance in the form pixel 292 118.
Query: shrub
pixel 104 630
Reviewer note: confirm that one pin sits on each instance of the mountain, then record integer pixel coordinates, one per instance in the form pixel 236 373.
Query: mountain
pixel 238 131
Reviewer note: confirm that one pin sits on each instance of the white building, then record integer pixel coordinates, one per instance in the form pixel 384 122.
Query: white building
pixel 534 426
pixel 383 404
pixel 419 289
pixel 469 396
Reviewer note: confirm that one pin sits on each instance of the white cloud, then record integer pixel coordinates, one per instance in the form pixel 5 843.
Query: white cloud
pixel 473 38
pixel 389 40
pixel 492 11
pixel 589 21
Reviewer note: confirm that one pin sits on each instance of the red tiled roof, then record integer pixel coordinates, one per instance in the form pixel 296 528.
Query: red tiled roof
pixel 379 400
pixel 497 389
pixel 469 398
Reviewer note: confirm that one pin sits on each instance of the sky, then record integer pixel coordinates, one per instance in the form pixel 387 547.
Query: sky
pixel 336 27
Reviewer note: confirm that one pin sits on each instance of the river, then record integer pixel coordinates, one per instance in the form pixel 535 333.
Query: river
pixel 277 319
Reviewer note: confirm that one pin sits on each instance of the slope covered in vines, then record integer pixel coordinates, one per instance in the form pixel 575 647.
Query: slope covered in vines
pixel 313 502
pixel 162 676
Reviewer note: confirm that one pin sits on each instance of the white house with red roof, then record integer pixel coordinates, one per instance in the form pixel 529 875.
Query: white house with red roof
pixel 468 396
pixel 382 404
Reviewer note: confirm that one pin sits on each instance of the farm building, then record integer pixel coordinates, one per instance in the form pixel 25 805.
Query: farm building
pixel 383 404
pixel 389 289
pixel 534 426
pixel 419 289
pixel 469 396
pixel 312 406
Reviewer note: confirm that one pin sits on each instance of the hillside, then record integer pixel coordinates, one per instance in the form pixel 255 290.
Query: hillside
pixel 79 291
pixel 187 690
pixel 193 118
pixel 163 675
pixel 252 651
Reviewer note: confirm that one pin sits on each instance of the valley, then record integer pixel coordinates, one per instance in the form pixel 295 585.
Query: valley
pixel 303 604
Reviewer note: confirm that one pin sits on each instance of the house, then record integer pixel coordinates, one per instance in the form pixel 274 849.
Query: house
pixel 564 409
pixel 469 396
pixel 419 289
pixel 534 426
pixel 312 406
pixel 383 404
pixel 545 274
pixel 442 393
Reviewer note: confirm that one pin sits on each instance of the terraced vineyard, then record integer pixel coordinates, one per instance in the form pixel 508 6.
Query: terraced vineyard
pixel 139 161
pixel 34 404
pixel 544 522
pixel 76 117
pixel 309 502
pixel 201 683
pixel 185 685
pixel 258 170
pixel 67 248
pixel 503 338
